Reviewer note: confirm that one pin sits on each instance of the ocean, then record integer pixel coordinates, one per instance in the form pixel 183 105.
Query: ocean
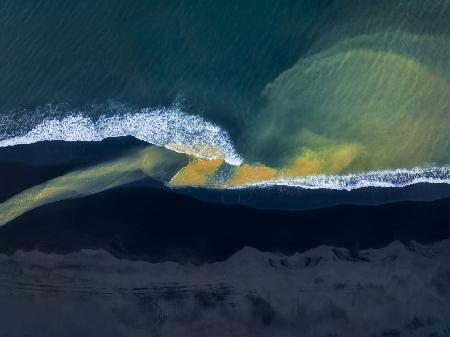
pixel 224 168
pixel 286 90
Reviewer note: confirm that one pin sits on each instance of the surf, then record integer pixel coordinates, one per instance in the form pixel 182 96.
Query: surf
pixel 381 179
pixel 168 127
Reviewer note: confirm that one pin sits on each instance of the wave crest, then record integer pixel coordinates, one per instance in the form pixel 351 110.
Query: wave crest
pixel 172 128
pixel 384 178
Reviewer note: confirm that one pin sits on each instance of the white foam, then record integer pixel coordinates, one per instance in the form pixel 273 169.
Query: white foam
pixel 384 178
pixel 163 127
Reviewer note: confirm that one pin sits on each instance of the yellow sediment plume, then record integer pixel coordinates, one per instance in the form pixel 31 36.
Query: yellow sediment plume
pixel 248 174
pixel 197 172
pixel 152 161
pixel 341 158
pixel 331 160
pixel 162 164
pixel 308 163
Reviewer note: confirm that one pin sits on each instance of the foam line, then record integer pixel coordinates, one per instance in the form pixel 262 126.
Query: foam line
pixel 164 127
pixel 385 178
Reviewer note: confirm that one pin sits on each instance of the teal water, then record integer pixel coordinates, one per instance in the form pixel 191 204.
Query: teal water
pixel 217 55
pixel 311 86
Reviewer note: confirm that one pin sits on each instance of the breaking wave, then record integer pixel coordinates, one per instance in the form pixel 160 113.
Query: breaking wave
pixel 384 178
pixel 170 127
